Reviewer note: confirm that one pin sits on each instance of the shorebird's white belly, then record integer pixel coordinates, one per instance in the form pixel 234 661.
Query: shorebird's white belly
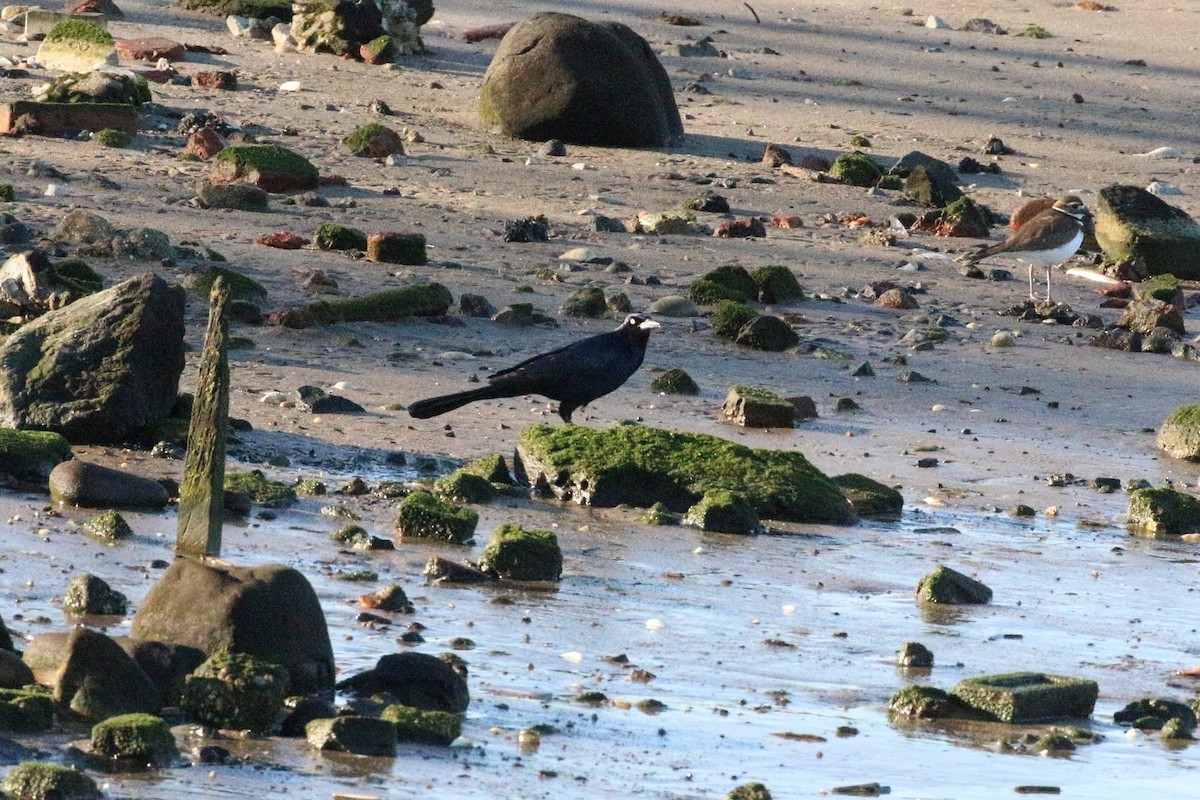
pixel 1051 257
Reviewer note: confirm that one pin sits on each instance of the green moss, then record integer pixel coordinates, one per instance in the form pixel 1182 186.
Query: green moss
pixel 1020 697
pixel 856 169
pixel 423 516
pixel 675 381
pixel 518 554
pixel 858 140
pixel 924 702
pixel 730 317
pixel 398 248
pixel 429 727
pixel 111 137
pixel 776 283
pixel 35 780
pixel 235 690
pixel 767 333
pixel 588 302
pixel 141 737
pixel 1054 741
pixel 491 468
pixel 1164 511
pixel 108 525
pixel 1180 433
pixel 659 514
pixel 461 486
pixel 381 48
pixel 79 30
pixel 728 282
pixel 373 140
pixel 870 498
pixel 419 300
pixel 1165 288
pixel 332 236
pixel 30 455
pixel 260 488
pixel 25 711
pixel 241 286
pixel 749 791
pixel 722 511
pixel 1036 32
pixel 81 278
pixel 641 466
pixel 968 217
pixel 268 158
pixel 945 585
pixel 311 487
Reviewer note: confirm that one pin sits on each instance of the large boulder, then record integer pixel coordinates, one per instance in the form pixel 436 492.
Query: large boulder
pixel 101 370
pixel 98 679
pixel 1131 223
pixel 558 76
pixel 270 612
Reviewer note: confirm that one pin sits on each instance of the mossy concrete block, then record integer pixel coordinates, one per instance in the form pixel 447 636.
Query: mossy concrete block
pixel 364 736
pixel 1028 696
pixel 25 712
pixel 461 486
pixel 767 333
pixel 1164 511
pixel 31 455
pixel 945 585
pixel 588 302
pixel 641 466
pixel 722 511
pixel 144 739
pixel 55 119
pixel 388 247
pixel 1131 224
pixel 270 167
pixel 749 407
pixel 332 236
pixel 730 317
pixel 235 691
pixel 518 554
pixel 870 498
pixel 1179 434
pixel 776 284
pixel 427 727
pixel 36 780
pixel 418 300
pixel 423 516
pixel 675 381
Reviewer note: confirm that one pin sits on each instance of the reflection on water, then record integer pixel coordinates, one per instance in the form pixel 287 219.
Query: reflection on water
pixel 761 650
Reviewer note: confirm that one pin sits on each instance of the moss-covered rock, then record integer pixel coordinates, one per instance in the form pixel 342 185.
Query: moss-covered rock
pixel 1028 696
pixel 750 407
pixel 240 285
pixel 491 468
pixel 111 137
pixel 100 87
pixel 856 169
pixel 730 317
pixel 945 585
pixel 25 711
pixel 1153 713
pixel 36 780
pixel 364 736
pixel 729 282
pixel 776 284
pixel 332 236
pixel 749 791
pixel 675 381
pixel 109 525
pixel 357 537
pixel 235 691
pixel 253 9
pixel 388 247
pixel 423 516
pixel 270 167
pixel 461 486
pixel 379 50
pixel 260 488
pixel 1180 433
pixel 139 738
pixel 518 554
pixel 428 727
pixel 89 594
pixel 767 333
pixel 1163 511
pixel 588 302
pixel 659 514
pixel 722 511
pixel 31 455
pixel 79 276
pixel 925 702
pixel 870 498
pixel 418 300
pixel 374 140
pixel 641 466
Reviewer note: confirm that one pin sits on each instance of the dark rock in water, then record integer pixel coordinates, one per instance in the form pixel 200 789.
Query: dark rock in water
pixel 926 702
pixel 414 679
pixel 1132 223
pixel 89 594
pixel 167 665
pixel 914 654
pixel 1028 696
pixel 1163 511
pixel 37 779
pixel 100 370
pixel 1179 434
pixel 415 725
pixel 95 486
pixel 31 455
pixel 561 76
pixel 945 585
pixel 749 791
pixel 514 553
pixel 303 711
pixel 443 570
pixel 235 690
pixel 99 680
pixel 364 736
pixel 1154 713
pixel 14 673
pixel 269 611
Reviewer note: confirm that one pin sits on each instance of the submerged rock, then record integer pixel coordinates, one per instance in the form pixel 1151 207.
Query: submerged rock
pixel 364 736
pixel 641 466
pixel 870 498
pixel 98 679
pixel 428 727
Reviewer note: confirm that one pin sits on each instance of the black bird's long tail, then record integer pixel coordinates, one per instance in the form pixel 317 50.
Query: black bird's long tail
pixel 435 406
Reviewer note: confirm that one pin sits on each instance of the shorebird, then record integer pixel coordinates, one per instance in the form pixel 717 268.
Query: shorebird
pixel 1047 240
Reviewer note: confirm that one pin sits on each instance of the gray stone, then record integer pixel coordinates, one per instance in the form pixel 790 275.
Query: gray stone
pixel 238 196
pixel 95 486
pixel 143 244
pixel 674 305
pixel 100 370
pixel 757 408
pixel 558 76
pixel 83 227
pixel 1131 223
pixel 1179 434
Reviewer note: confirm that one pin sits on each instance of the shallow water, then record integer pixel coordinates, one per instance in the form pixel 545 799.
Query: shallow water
pixel 748 638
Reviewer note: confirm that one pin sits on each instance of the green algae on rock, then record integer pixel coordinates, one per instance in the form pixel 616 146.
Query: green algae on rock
pixel 1180 433
pixel 641 466
pixel 1164 511
pixel 235 691
pixel 751 407
pixel 423 516
pixel 722 511
pixel 856 169
pixel 730 317
pixel 31 455
pixel 926 702
pixel 675 381
pixel 776 284
pixel 945 585
pixel 749 791
pixel 142 738
pixel 1028 696
pixel 26 711
pixel 428 727
pixel 364 736
pixel 240 285
pixel 518 554
pixel 461 486
pixel 491 468
pixel 34 780
pixel 332 236
pixel 108 525
pixel 271 167
pixel 870 498
pixel 391 305
pixel 374 140
pixel 261 489
pixel 767 333
pixel 587 302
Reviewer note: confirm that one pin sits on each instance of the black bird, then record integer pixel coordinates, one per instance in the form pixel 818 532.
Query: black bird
pixel 574 375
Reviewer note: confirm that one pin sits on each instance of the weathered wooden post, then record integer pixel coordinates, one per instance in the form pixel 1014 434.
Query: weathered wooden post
pixel 202 490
